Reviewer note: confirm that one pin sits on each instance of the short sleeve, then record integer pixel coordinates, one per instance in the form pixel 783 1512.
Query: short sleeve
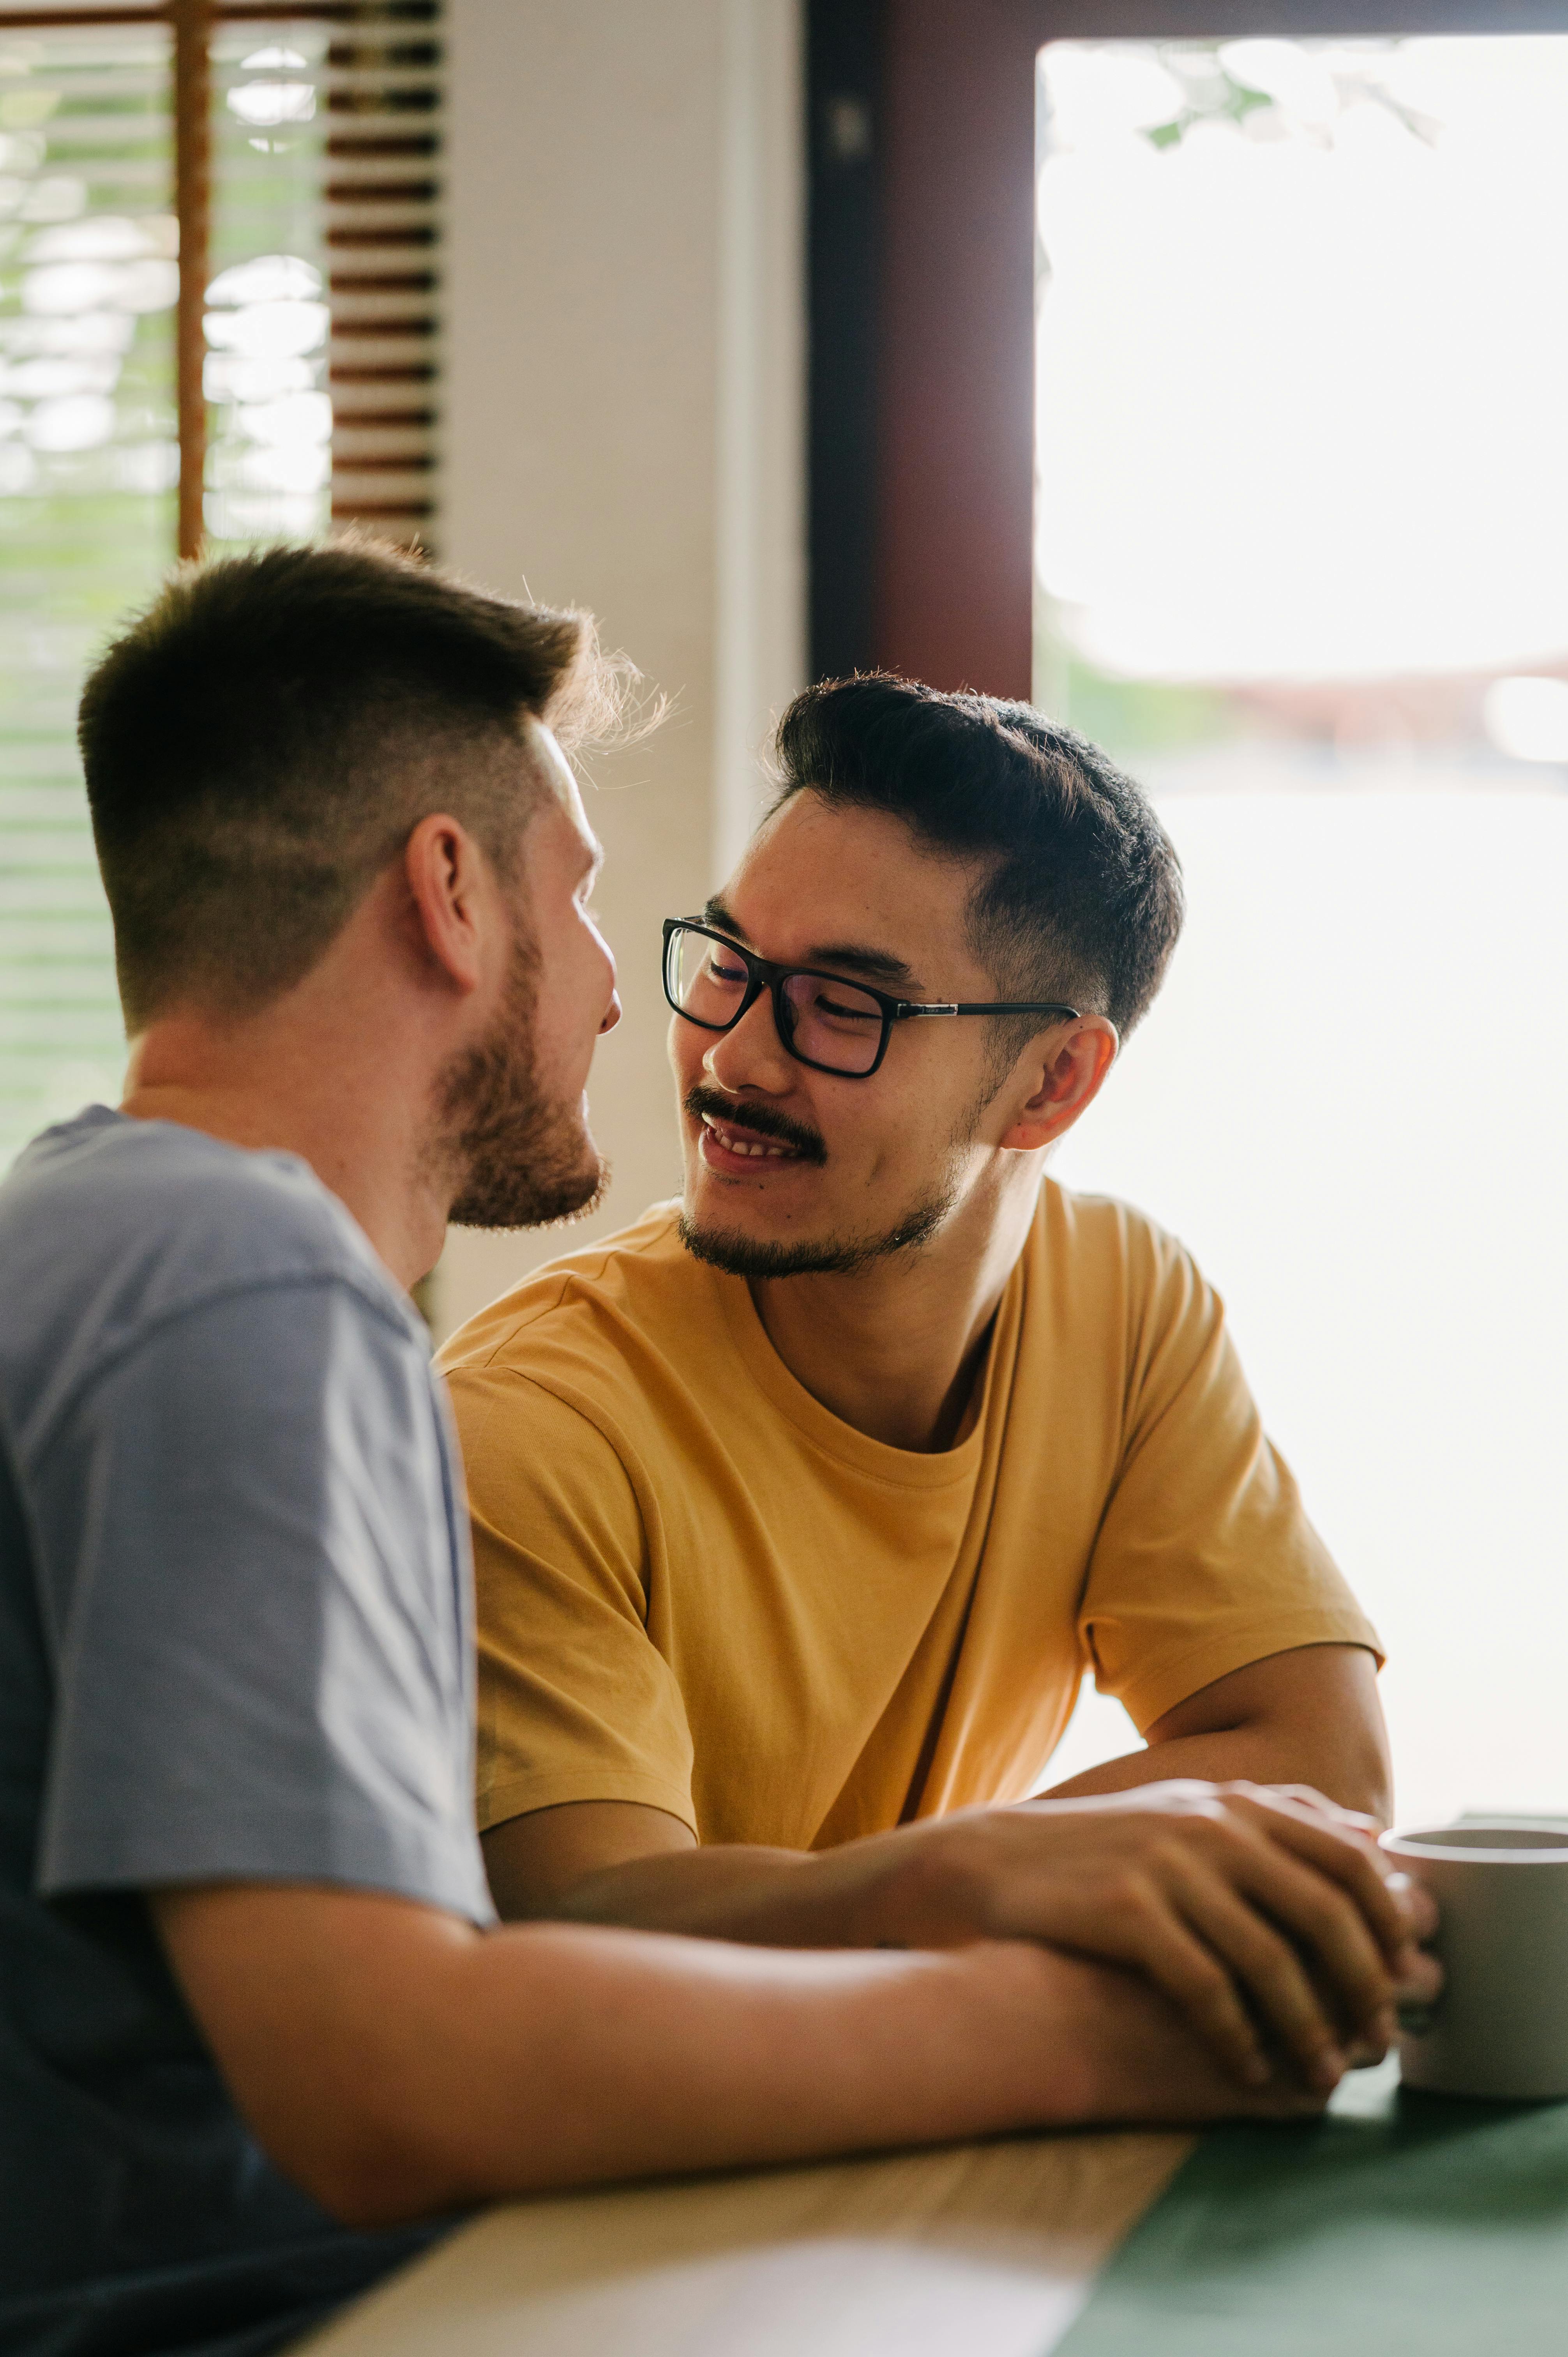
pixel 576 1700
pixel 260 1648
pixel 1205 1559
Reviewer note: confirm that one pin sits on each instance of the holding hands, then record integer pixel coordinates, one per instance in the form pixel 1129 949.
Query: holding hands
pixel 1251 1942
pixel 1269 1917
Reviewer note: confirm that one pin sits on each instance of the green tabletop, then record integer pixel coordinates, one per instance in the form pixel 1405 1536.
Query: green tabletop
pixel 1400 2225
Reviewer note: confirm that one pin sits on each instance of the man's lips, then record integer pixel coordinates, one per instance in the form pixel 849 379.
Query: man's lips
pixel 745 1142
pixel 768 1140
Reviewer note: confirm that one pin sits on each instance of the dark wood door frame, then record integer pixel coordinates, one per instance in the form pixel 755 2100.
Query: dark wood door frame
pixel 922 294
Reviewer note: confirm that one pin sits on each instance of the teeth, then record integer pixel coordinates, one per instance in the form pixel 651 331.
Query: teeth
pixel 758 1151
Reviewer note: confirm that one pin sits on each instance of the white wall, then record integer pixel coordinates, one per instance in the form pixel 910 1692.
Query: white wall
pixel 624 430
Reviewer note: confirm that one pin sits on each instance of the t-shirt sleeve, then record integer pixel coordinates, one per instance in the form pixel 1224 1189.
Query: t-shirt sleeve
pixel 576 1700
pixel 260 1653
pixel 1205 1559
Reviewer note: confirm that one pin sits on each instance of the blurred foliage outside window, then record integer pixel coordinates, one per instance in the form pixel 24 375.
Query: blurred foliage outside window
pixel 1301 474
pixel 89 461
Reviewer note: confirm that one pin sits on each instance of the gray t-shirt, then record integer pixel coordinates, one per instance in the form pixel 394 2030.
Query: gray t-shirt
pixel 235 1644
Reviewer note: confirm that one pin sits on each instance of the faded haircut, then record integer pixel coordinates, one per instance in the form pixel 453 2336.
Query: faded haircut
pixel 1080 893
pixel 260 742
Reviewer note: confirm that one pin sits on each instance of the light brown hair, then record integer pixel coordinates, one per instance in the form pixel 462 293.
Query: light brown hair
pixel 259 744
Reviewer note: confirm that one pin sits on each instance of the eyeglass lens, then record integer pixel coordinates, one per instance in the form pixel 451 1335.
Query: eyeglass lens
pixel 830 1022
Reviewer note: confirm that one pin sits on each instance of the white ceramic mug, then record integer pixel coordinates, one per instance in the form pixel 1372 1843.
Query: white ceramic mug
pixel 1500 2026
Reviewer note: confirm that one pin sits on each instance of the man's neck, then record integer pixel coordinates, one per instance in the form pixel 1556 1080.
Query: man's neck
pixel 252 1086
pixel 895 1349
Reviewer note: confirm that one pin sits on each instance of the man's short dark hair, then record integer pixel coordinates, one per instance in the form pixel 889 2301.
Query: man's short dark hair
pixel 1080 897
pixel 262 741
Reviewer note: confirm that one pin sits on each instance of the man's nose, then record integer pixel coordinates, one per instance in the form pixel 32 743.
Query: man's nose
pixel 750 1056
pixel 612 1013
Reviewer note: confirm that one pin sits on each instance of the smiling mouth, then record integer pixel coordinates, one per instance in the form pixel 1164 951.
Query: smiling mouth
pixel 746 1142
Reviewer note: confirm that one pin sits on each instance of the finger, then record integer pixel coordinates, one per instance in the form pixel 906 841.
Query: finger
pixel 1317 1913
pixel 1271 1974
pixel 1311 1798
pixel 1388 1900
pixel 1371 2045
pixel 1417 1978
pixel 1419 1903
pixel 1133 1924
pixel 1150 1934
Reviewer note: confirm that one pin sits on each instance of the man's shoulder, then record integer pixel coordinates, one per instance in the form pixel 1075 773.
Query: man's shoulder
pixel 110 1228
pixel 1107 1259
pixel 587 1311
pixel 1103 1226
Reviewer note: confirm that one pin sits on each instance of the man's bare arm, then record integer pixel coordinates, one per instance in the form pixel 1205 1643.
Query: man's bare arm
pixel 1307 1717
pixel 1310 1717
pixel 397 2063
pixel 1214 1892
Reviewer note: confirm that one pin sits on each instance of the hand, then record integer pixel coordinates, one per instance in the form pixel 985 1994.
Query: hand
pixel 1140 2061
pixel 1266 1914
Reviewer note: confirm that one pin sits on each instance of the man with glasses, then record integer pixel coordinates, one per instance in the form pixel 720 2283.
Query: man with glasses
pixel 801 1507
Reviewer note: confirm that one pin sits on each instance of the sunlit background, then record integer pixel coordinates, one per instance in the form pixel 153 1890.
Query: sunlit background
pixel 1302 513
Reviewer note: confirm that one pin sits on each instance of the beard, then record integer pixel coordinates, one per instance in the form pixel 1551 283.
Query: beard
pixel 841 1255
pixel 523 1158
pixel 740 1255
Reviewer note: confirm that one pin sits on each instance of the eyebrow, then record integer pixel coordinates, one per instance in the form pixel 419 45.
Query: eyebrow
pixel 854 957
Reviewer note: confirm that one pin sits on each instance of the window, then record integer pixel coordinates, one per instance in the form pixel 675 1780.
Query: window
pixel 1302 490
pixel 313 235
pixel 89 464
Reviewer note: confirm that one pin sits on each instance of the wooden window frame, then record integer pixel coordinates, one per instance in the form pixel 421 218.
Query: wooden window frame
pixel 921 294
pixel 192 23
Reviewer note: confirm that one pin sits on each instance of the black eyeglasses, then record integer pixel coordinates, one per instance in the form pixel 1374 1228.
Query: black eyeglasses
pixel 831 1025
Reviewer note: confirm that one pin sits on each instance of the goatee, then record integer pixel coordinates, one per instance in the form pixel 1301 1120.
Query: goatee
pixel 740 1255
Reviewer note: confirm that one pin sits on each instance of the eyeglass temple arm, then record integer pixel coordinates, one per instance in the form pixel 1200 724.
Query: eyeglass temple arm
pixel 912 1007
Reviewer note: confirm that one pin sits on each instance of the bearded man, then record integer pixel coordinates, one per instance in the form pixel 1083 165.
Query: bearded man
pixel 801 1507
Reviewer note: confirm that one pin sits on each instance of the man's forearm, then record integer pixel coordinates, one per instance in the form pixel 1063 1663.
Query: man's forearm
pixel 768 1897
pixel 397 2063
pixel 891 1888
pixel 1254 1755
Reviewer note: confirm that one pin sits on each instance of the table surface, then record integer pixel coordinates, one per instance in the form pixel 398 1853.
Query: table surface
pixel 1402 2224
pixel 990 2247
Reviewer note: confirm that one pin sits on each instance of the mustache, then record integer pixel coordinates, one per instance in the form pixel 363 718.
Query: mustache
pixel 762 1119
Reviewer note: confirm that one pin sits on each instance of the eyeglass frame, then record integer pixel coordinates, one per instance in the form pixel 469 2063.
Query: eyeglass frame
pixel 767 974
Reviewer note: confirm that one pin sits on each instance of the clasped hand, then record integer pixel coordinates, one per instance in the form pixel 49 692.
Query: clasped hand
pixel 1269 1917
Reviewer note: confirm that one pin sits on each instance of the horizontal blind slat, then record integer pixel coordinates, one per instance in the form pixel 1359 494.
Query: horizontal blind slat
pixel 384 93
pixel 85 514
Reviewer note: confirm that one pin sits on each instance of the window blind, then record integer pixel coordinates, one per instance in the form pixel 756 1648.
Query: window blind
pixel 321 380
pixel 87 470
pixel 383 233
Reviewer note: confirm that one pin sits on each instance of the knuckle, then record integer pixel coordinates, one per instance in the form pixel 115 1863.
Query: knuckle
pixel 1133 1898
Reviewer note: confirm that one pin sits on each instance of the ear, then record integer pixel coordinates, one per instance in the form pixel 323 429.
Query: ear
pixel 1069 1077
pixel 455 900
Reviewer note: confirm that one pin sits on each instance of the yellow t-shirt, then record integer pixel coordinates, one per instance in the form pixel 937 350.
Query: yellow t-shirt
pixel 701 1590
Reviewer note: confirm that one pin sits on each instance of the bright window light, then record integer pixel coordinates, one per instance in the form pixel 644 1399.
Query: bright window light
pixel 1289 288
pixel 1303 491
pixel 1528 719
